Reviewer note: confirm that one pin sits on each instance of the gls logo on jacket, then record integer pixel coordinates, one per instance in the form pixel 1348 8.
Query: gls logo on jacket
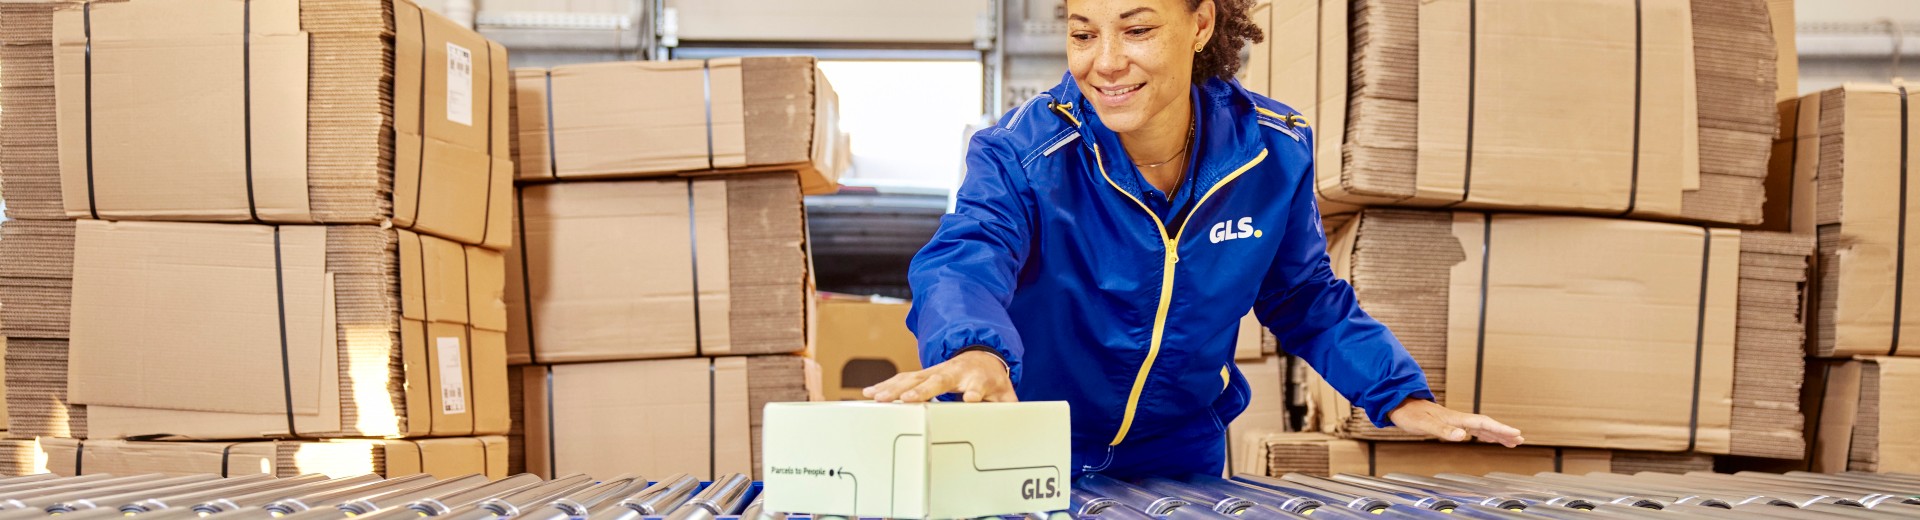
pixel 1230 230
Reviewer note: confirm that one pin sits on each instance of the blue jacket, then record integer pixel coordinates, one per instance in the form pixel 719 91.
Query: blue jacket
pixel 1052 259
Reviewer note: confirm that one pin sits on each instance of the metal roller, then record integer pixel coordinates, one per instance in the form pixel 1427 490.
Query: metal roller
pixel 238 489
pixel 1214 499
pixel 1840 496
pixel 49 497
pixel 1414 500
pixel 1887 483
pixel 227 504
pixel 366 505
pixel 580 504
pixel 756 511
pixel 1284 488
pixel 323 499
pixel 114 501
pixel 17 498
pixel 446 503
pixel 1122 512
pixel 1386 485
pixel 1592 495
pixel 1801 496
pixel 1689 497
pixel 1132 496
pixel 1260 497
pixel 1531 499
pixel 15 487
pixel 1867 494
pixel 660 498
pixel 517 503
pixel 1084 503
pixel 722 497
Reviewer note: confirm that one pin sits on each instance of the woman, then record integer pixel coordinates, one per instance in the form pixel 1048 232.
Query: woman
pixel 1110 234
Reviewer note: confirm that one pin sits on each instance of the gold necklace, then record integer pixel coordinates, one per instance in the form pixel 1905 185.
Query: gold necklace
pixel 1176 155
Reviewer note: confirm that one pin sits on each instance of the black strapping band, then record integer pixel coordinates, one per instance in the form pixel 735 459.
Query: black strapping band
pixel 420 175
pixel 246 109
pixel 553 154
pixel 486 221
pixel 1699 338
pixel 1639 67
pixel 699 344
pixel 713 435
pixel 1373 464
pixel 706 79
pixel 86 28
pixel 1900 255
pixel 79 457
pixel 1473 76
pixel 1480 344
pixel 553 429
pixel 286 368
pixel 526 276
pixel 1559 461
pixel 226 455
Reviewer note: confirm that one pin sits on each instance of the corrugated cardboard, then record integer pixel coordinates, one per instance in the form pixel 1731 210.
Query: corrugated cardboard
pixel 1674 115
pixel 22 457
pixel 283 107
pixel 698 416
pixel 1321 454
pixel 657 417
pixel 443 458
pixel 1847 147
pixel 1867 420
pixel 1787 50
pixel 180 327
pixel 925 460
pixel 861 343
pixel 1586 332
pixel 640 118
pixel 610 270
pixel 29 156
pixel 1266 412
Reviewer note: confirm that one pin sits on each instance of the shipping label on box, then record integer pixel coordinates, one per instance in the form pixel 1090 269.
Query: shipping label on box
pixel 930 460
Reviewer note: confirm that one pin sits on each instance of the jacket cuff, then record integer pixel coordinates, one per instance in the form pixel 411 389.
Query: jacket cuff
pixel 1378 410
pixel 1006 359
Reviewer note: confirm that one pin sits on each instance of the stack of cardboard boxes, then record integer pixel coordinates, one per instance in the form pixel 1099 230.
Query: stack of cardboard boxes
pixel 289 225
pixel 1634 306
pixel 660 290
pixel 1849 151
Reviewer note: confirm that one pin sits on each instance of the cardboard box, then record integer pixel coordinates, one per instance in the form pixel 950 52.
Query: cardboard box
pixel 1787 51
pixel 308 112
pixel 939 460
pixel 610 270
pixel 1866 419
pixel 37 399
pixel 696 416
pixel 652 118
pixel 1847 160
pixel 442 458
pixel 861 342
pixel 234 332
pixel 36 278
pixel 1675 96
pixel 1266 412
pixel 1587 332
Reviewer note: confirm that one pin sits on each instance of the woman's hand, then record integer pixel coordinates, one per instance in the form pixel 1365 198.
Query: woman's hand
pixel 1426 417
pixel 976 375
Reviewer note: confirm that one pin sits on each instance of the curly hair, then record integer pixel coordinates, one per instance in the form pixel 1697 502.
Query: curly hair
pixel 1233 29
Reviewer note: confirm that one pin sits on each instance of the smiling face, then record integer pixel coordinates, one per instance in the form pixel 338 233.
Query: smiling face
pixel 1133 59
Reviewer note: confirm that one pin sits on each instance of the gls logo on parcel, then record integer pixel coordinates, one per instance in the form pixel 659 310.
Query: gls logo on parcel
pixel 1230 230
pixel 1034 488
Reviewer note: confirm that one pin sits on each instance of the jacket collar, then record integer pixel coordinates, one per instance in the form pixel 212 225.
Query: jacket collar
pixel 1226 133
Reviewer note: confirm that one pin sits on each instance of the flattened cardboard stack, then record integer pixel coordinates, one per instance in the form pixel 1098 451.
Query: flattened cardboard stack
pixel 1630 462
pixel 251 331
pixel 21 457
pixel 698 416
pixel 1320 454
pixel 1867 416
pixel 1847 154
pixel 1430 103
pixel 29 159
pixel 610 270
pixel 650 118
pixel 442 458
pixel 36 249
pixel 324 111
pixel 1587 332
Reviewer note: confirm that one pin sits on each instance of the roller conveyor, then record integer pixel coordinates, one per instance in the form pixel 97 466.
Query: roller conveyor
pixel 1495 496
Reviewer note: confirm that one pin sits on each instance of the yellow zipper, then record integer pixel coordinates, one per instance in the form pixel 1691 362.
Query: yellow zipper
pixel 1172 245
